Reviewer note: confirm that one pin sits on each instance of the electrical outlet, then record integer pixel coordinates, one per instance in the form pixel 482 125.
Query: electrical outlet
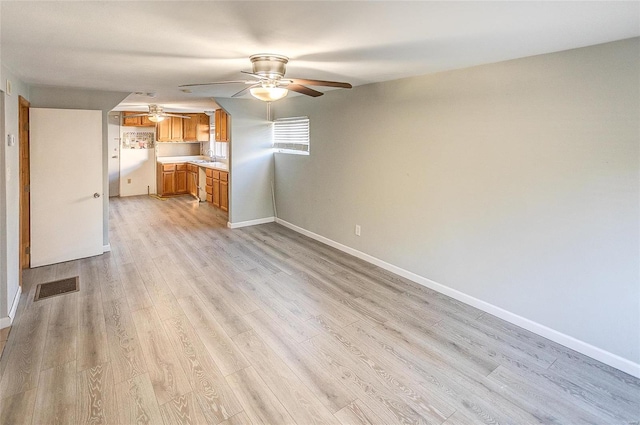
pixel 357 230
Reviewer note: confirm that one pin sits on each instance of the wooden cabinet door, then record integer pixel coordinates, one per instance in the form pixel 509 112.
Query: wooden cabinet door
pixel 181 178
pixel 203 128
pixel 190 128
pixel 216 192
pixel 216 117
pixel 176 129
pixel 224 195
pixel 168 183
pixel 130 121
pixel 222 126
pixel 163 131
pixel 146 122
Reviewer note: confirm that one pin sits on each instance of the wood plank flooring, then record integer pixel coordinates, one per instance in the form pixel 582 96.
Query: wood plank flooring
pixel 188 322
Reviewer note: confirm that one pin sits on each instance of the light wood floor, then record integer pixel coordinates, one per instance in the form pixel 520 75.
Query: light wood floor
pixel 186 321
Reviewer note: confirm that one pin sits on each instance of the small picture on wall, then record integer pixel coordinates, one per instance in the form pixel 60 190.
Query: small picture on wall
pixel 138 140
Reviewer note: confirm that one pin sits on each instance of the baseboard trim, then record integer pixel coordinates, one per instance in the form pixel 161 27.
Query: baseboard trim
pixel 5 322
pixel 585 348
pixel 106 248
pixel 257 221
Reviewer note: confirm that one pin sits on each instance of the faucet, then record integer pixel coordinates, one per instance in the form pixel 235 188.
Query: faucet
pixel 211 154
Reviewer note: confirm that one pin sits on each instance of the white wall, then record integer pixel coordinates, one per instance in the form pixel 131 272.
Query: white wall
pixel 137 172
pixel 251 160
pixel 516 183
pixel 70 98
pixel 113 149
pixel 137 167
pixel 9 194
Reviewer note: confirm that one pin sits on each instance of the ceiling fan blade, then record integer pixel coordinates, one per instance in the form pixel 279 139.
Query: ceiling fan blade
pixel 320 83
pixel 218 82
pixel 261 77
pixel 177 116
pixel 244 90
pixel 304 90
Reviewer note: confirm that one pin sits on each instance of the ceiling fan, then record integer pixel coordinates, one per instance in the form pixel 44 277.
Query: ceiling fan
pixel 269 83
pixel 156 114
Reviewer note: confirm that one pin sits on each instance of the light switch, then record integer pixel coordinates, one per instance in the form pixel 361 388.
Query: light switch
pixel 11 140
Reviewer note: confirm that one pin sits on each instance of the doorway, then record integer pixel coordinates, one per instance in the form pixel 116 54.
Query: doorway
pixel 25 199
pixel 113 136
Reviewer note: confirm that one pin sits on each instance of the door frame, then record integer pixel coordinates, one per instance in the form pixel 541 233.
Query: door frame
pixel 25 199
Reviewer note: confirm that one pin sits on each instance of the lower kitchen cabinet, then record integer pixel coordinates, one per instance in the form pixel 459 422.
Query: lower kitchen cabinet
pixel 181 178
pixel 224 191
pixel 218 189
pixel 172 179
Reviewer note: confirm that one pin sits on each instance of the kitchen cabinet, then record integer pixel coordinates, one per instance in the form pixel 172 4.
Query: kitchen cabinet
pixel 166 179
pixel 146 122
pixel 190 128
pixel 218 189
pixel 176 128
pixel 222 126
pixel 130 121
pixel 209 185
pixel 181 178
pixel 172 179
pixel 163 131
pixel 224 191
pixel 196 129
pixel 169 130
pixel 203 129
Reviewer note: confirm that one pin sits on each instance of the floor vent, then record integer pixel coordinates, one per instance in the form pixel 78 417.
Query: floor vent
pixel 57 287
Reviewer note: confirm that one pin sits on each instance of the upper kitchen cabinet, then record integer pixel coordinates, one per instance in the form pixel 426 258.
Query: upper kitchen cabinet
pixel 146 122
pixel 222 125
pixel 169 130
pixel 128 120
pixel 176 128
pixel 196 129
pixel 203 129
pixel 190 128
pixel 163 131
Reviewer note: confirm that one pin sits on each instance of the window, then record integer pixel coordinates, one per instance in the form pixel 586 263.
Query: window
pixel 220 149
pixel 291 135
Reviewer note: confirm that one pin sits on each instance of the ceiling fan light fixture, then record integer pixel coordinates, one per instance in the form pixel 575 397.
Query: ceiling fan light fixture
pixel 268 94
pixel 156 118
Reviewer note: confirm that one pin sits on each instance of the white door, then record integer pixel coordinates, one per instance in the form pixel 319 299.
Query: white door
pixel 66 185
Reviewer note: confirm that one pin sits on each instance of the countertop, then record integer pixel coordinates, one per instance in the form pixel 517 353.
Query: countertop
pixel 221 166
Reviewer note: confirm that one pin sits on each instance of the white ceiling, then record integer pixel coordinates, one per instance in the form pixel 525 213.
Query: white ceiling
pixel 156 46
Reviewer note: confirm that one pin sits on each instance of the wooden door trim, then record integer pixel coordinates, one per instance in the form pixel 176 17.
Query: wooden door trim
pixel 25 199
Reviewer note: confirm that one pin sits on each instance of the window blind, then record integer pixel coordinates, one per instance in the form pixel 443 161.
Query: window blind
pixel 291 135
